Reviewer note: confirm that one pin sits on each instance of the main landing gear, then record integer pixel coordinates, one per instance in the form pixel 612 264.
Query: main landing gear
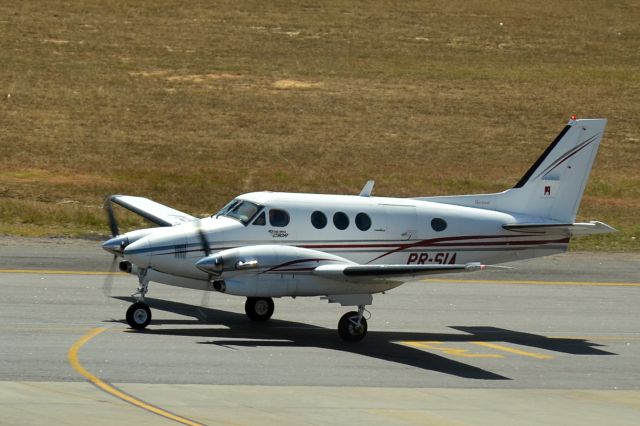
pixel 352 327
pixel 259 308
pixel 139 314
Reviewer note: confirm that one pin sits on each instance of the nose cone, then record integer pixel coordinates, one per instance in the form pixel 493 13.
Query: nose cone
pixel 116 245
pixel 139 253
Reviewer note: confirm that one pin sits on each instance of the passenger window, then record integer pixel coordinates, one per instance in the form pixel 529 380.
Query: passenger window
pixel 341 220
pixel 261 220
pixel 438 224
pixel 278 217
pixel 363 221
pixel 318 219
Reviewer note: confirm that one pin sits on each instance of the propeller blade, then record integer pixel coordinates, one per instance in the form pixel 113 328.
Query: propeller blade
pixel 204 304
pixel 108 281
pixel 113 223
pixel 203 240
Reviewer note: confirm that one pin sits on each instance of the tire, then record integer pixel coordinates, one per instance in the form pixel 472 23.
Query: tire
pixel 348 330
pixel 259 308
pixel 138 316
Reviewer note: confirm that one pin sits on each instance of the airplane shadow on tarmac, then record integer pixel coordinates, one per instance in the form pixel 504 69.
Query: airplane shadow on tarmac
pixel 378 344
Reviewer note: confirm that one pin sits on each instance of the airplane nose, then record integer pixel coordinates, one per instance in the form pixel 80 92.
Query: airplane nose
pixel 139 253
pixel 116 245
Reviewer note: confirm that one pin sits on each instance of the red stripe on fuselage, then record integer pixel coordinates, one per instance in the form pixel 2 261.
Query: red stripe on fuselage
pixel 445 242
pixel 293 262
pixel 437 242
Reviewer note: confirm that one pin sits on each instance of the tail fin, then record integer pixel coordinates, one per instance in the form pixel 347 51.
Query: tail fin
pixel 552 188
pixel 554 185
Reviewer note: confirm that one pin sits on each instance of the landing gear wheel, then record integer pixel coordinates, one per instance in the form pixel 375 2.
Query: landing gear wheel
pixel 259 308
pixel 138 316
pixel 349 329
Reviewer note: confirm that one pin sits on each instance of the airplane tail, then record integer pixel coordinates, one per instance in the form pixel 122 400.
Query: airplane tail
pixel 553 187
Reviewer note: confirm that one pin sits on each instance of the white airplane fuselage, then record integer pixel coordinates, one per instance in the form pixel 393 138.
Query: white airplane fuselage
pixel 401 231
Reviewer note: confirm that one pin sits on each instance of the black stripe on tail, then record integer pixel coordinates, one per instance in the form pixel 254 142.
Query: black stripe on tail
pixel 544 155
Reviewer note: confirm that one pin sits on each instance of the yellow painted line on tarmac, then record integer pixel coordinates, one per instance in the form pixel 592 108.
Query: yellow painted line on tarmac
pixel 56 272
pixel 533 282
pixel 464 353
pixel 438 346
pixel 106 387
pixel 512 350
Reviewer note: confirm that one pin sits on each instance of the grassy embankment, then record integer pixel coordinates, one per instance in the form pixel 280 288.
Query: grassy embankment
pixel 193 103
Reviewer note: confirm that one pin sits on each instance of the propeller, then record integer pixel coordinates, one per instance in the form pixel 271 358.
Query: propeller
pixel 113 223
pixel 204 302
pixel 108 281
pixel 204 242
pixel 113 248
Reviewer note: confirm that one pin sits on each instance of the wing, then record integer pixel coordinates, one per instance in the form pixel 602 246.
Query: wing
pixel 569 229
pixel 278 259
pixel 350 271
pixel 150 210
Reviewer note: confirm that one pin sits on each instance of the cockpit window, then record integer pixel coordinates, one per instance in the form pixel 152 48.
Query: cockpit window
pixel 231 204
pixel 240 210
pixel 260 220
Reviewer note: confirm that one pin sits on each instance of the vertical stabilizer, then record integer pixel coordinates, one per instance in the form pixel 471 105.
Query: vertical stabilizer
pixel 553 186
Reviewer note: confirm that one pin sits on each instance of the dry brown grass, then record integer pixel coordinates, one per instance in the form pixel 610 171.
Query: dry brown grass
pixel 192 103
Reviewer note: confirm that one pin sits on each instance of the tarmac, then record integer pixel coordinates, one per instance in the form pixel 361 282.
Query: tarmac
pixel 553 341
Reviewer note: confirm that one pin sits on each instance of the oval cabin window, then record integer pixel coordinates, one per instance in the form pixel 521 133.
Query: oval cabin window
pixel 318 219
pixel 363 221
pixel 341 220
pixel 438 224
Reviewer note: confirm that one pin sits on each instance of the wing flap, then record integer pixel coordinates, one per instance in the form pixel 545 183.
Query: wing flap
pixel 391 271
pixel 155 212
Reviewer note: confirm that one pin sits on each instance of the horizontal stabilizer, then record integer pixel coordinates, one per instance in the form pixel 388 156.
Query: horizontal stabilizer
pixel 155 212
pixel 569 229
pixel 389 271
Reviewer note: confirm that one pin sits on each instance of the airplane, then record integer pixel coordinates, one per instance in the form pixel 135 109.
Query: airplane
pixel 345 248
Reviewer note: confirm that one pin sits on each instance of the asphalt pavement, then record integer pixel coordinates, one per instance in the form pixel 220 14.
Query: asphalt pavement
pixel 554 340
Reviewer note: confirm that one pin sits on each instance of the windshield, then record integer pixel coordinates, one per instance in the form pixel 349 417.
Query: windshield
pixel 239 210
pixel 227 207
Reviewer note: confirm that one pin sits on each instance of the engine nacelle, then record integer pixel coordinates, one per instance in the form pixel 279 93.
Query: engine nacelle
pixel 265 258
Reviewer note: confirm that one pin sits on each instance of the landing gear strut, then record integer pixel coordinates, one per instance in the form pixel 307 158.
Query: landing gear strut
pixel 352 327
pixel 259 308
pixel 139 314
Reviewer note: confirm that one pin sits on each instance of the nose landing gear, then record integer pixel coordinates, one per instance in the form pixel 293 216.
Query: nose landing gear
pixel 139 314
